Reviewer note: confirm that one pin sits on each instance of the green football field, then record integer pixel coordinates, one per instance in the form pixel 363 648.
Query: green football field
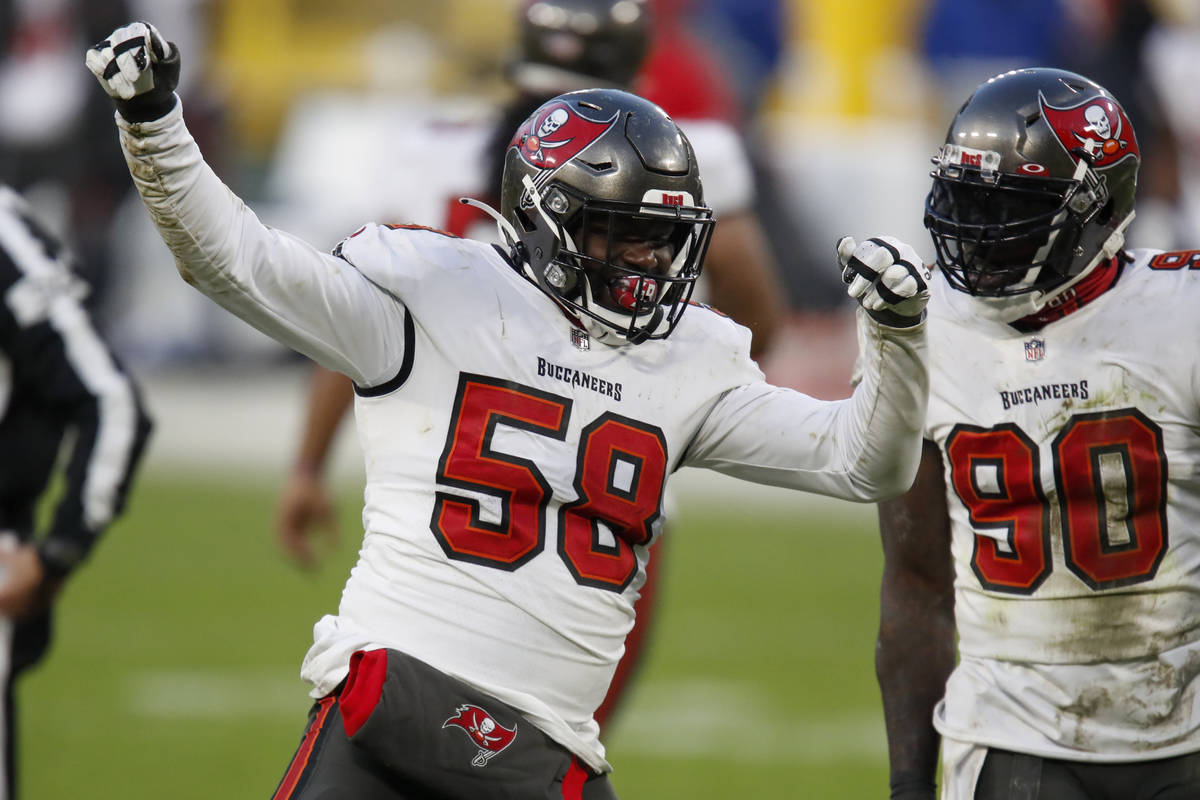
pixel 174 672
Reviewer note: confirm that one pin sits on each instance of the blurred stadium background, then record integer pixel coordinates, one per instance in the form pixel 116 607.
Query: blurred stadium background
pixel 175 668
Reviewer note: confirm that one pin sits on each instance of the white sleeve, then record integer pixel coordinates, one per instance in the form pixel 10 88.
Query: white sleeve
pixel 863 448
pixel 313 302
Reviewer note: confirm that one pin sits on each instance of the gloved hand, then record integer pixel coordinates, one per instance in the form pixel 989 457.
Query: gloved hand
pixel 886 277
pixel 139 69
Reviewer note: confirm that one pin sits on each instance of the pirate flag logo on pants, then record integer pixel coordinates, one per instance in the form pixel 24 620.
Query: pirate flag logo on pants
pixel 490 736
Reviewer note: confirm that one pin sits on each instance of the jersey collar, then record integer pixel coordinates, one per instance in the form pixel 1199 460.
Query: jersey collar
pixel 1075 298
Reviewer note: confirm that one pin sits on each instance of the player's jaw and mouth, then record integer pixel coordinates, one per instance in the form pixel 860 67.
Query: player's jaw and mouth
pixel 623 263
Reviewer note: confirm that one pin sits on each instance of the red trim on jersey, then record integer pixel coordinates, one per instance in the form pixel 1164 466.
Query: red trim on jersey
pixel 364 686
pixel 395 227
pixel 1074 298
pixel 573 781
pixel 300 761
pixel 714 309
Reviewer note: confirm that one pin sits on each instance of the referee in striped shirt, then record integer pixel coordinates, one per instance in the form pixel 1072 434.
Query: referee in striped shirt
pixel 59 384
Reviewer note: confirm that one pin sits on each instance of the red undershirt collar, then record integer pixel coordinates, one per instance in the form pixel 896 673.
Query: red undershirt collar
pixel 1074 298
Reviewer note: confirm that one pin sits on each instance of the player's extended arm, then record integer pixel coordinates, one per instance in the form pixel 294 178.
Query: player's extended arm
pixel 305 506
pixel 863 448
pixel 743 278
pixel 313 302
pixel 915 651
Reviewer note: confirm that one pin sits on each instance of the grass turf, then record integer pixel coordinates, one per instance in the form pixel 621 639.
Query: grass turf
pixel 174 668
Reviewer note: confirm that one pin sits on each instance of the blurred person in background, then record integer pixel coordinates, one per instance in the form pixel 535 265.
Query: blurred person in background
pixel 965 42
pixel 717 60
pixel 563 45
pixel 1168 58
pixel 1051 540
pixel 520 405
pixel 749 39
pixel 53 144
pixel 62 393
pixel 1118 41
pixel 57 150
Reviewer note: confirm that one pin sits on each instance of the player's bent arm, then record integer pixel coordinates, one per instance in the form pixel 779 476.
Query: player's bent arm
pixel 330 396
pixel 305 506
pixel 313 302
pixel 915 649
pixel 865 447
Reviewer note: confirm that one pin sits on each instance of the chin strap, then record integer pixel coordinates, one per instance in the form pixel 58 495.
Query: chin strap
pixel 1099 281
pixel 1112 245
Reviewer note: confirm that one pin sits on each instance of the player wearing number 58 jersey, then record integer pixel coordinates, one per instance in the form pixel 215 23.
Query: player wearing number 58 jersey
pixel 520 407
pixel 1055 521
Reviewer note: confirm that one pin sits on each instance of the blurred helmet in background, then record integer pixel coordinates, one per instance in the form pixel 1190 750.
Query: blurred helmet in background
pixel 577 44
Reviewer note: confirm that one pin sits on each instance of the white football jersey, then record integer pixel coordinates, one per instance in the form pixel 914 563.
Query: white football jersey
pixel 1079 632
pixel 515 468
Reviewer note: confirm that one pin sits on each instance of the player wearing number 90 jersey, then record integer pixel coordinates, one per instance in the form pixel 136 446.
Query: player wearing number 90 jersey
pixel 1069 458
pixel 1054 525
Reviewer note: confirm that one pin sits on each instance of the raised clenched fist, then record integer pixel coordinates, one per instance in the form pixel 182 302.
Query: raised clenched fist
pixel 886 277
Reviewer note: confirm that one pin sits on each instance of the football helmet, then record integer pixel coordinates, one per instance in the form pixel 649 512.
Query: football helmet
pixel 601 194
pixel 1033 188
pixel 577 44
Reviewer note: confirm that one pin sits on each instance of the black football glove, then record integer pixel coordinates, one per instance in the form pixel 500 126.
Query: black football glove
pixel 139 69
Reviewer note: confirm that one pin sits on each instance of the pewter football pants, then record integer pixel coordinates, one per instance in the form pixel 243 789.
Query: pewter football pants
pixel 1016 776
pixel 398 729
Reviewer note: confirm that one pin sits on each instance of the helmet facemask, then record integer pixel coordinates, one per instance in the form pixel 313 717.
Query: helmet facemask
pixel 1001 235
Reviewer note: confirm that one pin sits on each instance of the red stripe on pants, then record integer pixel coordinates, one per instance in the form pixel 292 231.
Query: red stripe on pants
pixel 300 760
pixel 573 781
pixel 364 687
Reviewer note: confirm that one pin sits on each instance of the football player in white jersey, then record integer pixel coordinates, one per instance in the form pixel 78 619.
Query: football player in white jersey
pixel 1054 525
pixel 562 45
pixel 520 407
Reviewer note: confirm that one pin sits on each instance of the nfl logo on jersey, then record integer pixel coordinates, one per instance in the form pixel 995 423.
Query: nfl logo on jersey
pixel 1035 349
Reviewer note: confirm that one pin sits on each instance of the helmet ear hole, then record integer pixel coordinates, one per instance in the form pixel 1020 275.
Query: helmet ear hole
pixel 523 220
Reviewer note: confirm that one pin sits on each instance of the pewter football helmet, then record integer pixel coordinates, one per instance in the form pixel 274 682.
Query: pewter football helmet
pixel 588 173
pixel 1033 188
pixel 577 44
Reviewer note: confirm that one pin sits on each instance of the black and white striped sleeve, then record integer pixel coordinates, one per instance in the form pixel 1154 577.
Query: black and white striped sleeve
pixel 65 384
